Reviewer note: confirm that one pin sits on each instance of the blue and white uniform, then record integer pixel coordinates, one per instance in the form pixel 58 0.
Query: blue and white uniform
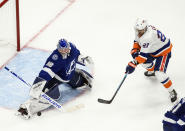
pixel 64 65
pixel 174 120
pixel 61 69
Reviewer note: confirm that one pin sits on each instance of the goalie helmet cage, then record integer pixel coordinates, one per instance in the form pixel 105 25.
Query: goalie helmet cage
pixel 4 11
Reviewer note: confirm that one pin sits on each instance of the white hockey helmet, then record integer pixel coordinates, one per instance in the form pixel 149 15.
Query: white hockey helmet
pixel 140 24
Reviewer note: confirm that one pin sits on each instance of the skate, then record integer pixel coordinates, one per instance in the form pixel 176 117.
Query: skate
pixel 23 112
pixel 149 73
pixel 173 95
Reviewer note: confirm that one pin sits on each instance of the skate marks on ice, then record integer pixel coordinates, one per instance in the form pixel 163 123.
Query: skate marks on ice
pixel 27 64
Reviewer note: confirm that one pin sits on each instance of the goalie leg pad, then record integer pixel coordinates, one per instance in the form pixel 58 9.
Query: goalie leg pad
pixel 37 87
pixel 77 80
pixel 88 77
pixel 33 106
pixel 85 71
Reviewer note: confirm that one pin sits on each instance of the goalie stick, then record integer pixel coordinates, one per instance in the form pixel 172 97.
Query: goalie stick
pixel 110 101
pixel 46 97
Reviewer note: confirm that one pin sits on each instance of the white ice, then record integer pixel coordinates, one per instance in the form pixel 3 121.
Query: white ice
pixel 104 30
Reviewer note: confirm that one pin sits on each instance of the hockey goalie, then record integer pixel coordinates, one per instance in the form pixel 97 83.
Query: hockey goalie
pixel 64 65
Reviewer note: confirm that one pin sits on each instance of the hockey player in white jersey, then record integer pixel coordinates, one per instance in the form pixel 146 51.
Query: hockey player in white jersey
pixel 152 49
pixel 64 65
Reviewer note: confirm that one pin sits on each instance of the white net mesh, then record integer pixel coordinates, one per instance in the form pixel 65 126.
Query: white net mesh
pixel 8 24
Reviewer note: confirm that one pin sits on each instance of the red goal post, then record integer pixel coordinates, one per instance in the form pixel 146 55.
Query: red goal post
pixel 3 4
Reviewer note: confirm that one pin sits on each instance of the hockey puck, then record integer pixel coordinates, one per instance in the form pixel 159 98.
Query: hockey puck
pixel 39 113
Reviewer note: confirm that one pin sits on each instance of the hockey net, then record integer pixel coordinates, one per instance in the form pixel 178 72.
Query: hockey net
pixel 9 24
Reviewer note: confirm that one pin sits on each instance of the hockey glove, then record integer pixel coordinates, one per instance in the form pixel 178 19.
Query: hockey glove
pixel 84 60
pixel 134 53
pixel 131 67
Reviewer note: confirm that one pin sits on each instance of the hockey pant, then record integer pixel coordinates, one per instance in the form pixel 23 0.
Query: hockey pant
pixel 159 65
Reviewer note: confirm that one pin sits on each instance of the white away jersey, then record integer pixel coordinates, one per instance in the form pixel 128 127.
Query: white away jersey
pixel 152 43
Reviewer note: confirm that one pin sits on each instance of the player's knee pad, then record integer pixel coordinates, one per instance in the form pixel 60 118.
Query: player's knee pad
pixel 161 76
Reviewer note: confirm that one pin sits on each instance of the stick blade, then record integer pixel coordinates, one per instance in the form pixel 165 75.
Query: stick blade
pixel 104 101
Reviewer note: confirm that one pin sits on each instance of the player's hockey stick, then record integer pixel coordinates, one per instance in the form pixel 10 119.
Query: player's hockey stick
pixel 110 101
pixel 46 97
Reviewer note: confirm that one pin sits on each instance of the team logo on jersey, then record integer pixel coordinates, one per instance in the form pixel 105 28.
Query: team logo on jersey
pixel 55 57
pixel 50 64
pixel 71 68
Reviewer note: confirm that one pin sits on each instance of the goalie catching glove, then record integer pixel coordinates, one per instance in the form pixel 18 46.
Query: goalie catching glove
pixel 131 67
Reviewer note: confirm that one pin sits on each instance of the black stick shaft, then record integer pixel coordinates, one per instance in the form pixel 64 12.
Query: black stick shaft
pixel 119 87
pixel 109 101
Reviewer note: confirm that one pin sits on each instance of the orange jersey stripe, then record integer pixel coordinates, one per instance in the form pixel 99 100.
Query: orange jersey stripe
pixel 164 52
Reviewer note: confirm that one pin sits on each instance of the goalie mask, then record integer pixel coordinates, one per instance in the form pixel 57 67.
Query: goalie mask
pixel 64 48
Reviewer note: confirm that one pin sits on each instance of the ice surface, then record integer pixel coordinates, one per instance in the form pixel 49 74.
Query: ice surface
pixel 103 29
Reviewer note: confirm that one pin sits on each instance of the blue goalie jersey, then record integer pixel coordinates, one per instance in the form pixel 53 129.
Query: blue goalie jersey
pixel 174 119
pixel 61 69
